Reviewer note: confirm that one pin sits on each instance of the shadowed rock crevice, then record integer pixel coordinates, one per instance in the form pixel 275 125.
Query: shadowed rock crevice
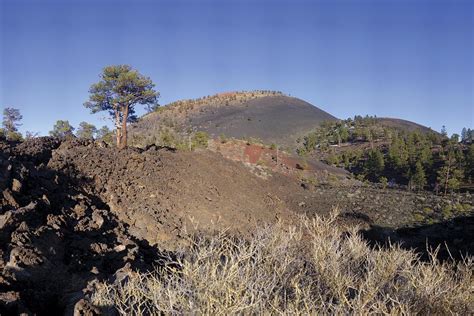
pixel 455 238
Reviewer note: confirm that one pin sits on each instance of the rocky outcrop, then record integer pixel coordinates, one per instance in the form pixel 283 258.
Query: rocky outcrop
pixel 57 238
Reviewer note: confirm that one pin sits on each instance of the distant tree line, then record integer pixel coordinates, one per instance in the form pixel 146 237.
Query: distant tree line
pixel 415 159
pixel 62 129
pixel 357 130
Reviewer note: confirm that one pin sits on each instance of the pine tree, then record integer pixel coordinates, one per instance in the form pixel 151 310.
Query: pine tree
pixel 105 134
pixel 418 179
pixel 469 165
pixel 464 134
pixel 398 155
pixel 344 134
pixel 450 175
pixel 62 129
pixel 11 122
pixel 444 133
pixel 470 135
pixel 120 89
pixel 86 131
pixel 374 165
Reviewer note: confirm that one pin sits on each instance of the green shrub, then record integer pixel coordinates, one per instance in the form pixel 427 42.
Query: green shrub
pixel 223 138
pixel 302 152
pixel 447 212
pixel 427 210
pixel 303 165
pixel 167 138
pixel 200 140
pixel 332 159
pixel 311 180
pixel 14 136
pixel 418 217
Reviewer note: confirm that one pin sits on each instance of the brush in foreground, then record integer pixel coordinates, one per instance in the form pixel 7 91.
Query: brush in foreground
pixel 313 268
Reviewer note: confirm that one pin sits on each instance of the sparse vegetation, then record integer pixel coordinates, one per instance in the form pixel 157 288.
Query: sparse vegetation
pixel 312 268
pixel 200 140
pixel 224 98
pixel 223 139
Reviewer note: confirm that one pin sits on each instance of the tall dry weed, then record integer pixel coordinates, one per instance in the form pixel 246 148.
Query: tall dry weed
pixel 312 268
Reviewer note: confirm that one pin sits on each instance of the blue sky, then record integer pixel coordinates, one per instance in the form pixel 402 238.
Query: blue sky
pixel 405 59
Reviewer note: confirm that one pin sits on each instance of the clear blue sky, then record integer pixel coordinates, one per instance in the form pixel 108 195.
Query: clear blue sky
pixel 406 59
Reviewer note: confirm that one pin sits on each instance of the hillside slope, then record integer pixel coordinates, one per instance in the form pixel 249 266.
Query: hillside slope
pixel 404 125
pixel 270 117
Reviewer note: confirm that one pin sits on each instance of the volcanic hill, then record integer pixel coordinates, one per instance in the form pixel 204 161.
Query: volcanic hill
pixel 403 125
pixel 268 116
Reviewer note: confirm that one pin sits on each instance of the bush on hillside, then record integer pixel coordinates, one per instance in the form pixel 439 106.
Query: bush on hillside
pixel 200 140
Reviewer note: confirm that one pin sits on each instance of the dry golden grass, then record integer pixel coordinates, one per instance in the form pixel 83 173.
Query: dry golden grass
pixel 313 268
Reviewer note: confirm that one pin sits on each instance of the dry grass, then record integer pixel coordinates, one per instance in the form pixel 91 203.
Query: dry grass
pixel 313 268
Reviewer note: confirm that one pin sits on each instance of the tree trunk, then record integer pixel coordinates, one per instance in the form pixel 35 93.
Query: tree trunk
pixel 447 180
pixel 118 134
pixel 118 137
pixel 123 142
pixel 447 175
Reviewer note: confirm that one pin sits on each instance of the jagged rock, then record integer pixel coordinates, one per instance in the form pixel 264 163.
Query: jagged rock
pixel 97 219
pixel 99 248
pixel 119 248
pixel 10 304
pixel 55 221
pixel 20 256
pixel 28 208
pixel 7 195
pixel 80 210
pixel 20 237
pixel 5 219
pixel 16 185
pixel 45 199
pixel 122 274
pixel 9 297
pixel 85 308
